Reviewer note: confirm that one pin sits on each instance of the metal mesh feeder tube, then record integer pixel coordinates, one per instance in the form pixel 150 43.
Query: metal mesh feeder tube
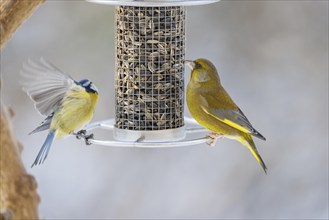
pixel 149 80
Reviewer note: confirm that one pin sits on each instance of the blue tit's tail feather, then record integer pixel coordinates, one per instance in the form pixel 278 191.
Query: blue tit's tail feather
pixel 42 155
pixel 247 141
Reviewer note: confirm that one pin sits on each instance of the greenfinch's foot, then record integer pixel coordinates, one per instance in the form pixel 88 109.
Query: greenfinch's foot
pixel 141 138
pixel 214 137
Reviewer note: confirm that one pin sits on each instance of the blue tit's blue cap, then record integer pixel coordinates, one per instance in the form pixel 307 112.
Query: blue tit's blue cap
pixel 88 85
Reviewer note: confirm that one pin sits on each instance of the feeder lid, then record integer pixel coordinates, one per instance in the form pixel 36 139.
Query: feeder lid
pixel 154 3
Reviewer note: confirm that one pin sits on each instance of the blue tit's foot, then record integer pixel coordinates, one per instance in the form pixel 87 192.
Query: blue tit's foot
pixel 80 134
pixel 214 137
pixel 88 137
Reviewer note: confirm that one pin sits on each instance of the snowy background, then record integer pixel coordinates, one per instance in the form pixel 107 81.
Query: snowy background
pixel 273 59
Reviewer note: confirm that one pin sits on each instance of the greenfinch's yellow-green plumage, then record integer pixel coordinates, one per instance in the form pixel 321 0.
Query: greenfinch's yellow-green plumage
pixel 212 107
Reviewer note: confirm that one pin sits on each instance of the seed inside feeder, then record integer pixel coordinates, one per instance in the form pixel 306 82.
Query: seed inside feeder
pixel 150 52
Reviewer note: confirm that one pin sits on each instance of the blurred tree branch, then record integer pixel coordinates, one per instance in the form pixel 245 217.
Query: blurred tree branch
pixel 19 199
pixel 18 196
pixel 12 15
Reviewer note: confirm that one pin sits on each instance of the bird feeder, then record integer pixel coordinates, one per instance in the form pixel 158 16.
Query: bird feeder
pixel 149 72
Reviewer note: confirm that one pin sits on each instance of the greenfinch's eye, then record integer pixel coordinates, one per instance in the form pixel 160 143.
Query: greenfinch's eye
pixel 197 65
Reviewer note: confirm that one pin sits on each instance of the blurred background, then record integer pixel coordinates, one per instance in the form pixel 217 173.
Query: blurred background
pixel 273 59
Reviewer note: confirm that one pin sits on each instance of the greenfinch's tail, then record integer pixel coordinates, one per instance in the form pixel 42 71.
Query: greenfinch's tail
pixel 247 141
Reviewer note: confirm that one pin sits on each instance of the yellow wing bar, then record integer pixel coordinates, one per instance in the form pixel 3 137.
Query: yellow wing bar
pixel 228 122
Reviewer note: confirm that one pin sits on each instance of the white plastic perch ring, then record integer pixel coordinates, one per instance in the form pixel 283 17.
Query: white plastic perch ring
pixel 191 127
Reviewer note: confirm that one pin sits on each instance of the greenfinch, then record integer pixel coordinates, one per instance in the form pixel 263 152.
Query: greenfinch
pixel 212 107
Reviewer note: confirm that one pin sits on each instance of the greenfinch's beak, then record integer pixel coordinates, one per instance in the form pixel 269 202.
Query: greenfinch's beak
pixel 190 63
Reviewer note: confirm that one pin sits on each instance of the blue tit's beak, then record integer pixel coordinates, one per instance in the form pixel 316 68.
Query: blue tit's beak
pixel 93 87
pixel 190 64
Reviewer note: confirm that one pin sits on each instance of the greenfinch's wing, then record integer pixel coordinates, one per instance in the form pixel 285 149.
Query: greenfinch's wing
pixel 234 118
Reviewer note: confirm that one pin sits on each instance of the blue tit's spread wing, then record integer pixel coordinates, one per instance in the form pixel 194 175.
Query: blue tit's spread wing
pixel 232 117
pixel 45 124
pixel 45 84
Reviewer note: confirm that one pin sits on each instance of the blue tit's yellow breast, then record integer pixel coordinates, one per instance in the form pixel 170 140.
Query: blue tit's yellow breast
pixel 76 110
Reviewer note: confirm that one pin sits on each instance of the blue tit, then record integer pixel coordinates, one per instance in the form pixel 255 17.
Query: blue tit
pixel 68 105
